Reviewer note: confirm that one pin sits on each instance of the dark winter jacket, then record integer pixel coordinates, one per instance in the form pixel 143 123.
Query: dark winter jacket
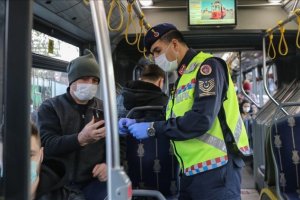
pixel 60 120
pixel 150 163
pixel 140 93
pixel 53 177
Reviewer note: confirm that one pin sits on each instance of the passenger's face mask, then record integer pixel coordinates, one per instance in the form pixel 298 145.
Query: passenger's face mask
pixel 85 91
pixel 236 88
pixel 33 171
pixel 246 109
pixel 164 63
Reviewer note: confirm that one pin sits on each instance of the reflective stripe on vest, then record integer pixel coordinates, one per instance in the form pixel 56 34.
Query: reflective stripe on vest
pixel 213 141
pixel 219 144
pixel 237 133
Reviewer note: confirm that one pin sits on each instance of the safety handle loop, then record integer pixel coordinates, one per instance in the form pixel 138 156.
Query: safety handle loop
pixel 282 41
pixel 297 12
pixel 141 22
pixel 271 45
pixel 113 4
pixel 130 21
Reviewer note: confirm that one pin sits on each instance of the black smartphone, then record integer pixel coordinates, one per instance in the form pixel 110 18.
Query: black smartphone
pixel 98 115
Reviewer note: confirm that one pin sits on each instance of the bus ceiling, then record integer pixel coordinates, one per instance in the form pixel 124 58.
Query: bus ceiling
pixel 74 16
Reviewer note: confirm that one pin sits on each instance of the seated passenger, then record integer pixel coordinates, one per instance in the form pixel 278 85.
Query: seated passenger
pixel 151 162
pixel 47 184
pixel 69 131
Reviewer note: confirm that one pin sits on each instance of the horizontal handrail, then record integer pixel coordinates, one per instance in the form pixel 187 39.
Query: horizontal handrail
pixel 148 193
pixel 146 108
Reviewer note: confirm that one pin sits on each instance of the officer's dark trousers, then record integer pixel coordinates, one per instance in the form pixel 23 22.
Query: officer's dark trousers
pixel 223 183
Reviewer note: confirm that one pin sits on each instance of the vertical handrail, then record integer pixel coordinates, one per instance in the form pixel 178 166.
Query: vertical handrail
pixel 16 26
pixel 265 77
pixel 241 84
pixel 118 183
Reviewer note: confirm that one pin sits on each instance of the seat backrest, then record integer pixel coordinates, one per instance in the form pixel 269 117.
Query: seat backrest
pixel 151 163
pixel 285 146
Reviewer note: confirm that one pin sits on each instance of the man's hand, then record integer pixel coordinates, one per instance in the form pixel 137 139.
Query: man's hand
pixel 124 123
pixel 91 133
pixel 100 171
pixel 139 130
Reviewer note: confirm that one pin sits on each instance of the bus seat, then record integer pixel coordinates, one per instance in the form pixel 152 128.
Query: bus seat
pixel 150 151
pixel 283 142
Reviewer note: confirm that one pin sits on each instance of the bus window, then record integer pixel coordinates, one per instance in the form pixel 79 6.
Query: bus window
pixel 46 84
pixel 46 45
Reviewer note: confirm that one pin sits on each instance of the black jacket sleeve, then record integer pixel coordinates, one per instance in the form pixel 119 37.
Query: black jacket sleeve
pixel 205 109
pixel 54 141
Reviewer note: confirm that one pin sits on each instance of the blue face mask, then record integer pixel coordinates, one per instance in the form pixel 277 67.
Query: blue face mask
pixel 33 171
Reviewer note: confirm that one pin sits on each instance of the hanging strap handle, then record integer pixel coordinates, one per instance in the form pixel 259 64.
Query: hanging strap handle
pixel 282 41
pixel 271 45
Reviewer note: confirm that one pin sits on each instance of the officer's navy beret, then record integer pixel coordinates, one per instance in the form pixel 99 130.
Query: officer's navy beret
pixel 155 33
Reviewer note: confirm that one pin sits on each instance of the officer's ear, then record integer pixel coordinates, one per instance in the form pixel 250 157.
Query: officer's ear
pixel 175 44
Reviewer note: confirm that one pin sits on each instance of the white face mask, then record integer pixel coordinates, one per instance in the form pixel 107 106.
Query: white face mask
pixel 164 63
pixel 246 109
pixel 85 91
pixel 236 88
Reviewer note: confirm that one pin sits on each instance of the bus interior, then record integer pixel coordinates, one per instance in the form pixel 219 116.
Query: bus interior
pixel 40 37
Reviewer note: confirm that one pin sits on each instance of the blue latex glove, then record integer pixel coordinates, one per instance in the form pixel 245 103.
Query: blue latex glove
pixel 139 130
pixel 124 123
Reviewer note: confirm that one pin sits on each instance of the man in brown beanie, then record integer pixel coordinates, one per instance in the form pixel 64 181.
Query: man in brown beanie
pixel 70 132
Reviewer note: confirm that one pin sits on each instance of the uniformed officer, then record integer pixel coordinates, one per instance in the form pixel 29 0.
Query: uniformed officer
pixel 202 118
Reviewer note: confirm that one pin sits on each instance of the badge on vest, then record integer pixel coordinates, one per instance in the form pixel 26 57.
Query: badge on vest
pixel 205 70
pixel 207 87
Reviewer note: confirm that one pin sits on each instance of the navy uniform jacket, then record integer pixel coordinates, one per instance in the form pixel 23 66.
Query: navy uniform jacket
pixel 205 109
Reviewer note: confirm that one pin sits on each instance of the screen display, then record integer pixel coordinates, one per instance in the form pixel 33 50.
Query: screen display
pixel 212 12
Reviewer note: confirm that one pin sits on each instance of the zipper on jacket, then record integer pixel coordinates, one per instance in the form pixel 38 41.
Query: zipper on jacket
pixel 76 159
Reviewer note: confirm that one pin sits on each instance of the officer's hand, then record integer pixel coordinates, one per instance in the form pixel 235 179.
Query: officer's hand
pixel 100 171
pixel 124 123
pixel 91 132
pixel 139 130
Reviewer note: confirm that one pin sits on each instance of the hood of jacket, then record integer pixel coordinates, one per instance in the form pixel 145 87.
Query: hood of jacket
pixel 140 93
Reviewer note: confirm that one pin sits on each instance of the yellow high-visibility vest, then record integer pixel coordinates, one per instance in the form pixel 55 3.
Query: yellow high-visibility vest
pixel 207 151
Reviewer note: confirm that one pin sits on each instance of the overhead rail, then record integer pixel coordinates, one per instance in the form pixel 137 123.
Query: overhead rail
pixel 139 13
pixel 282 46
pixel 269 33
pixel 132 5
pixel 144 26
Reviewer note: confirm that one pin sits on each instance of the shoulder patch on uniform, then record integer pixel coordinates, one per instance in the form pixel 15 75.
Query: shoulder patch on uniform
pixel 207 87
pixel 205 70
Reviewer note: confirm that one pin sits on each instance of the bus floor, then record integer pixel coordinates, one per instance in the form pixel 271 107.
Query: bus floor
pixel 248 191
